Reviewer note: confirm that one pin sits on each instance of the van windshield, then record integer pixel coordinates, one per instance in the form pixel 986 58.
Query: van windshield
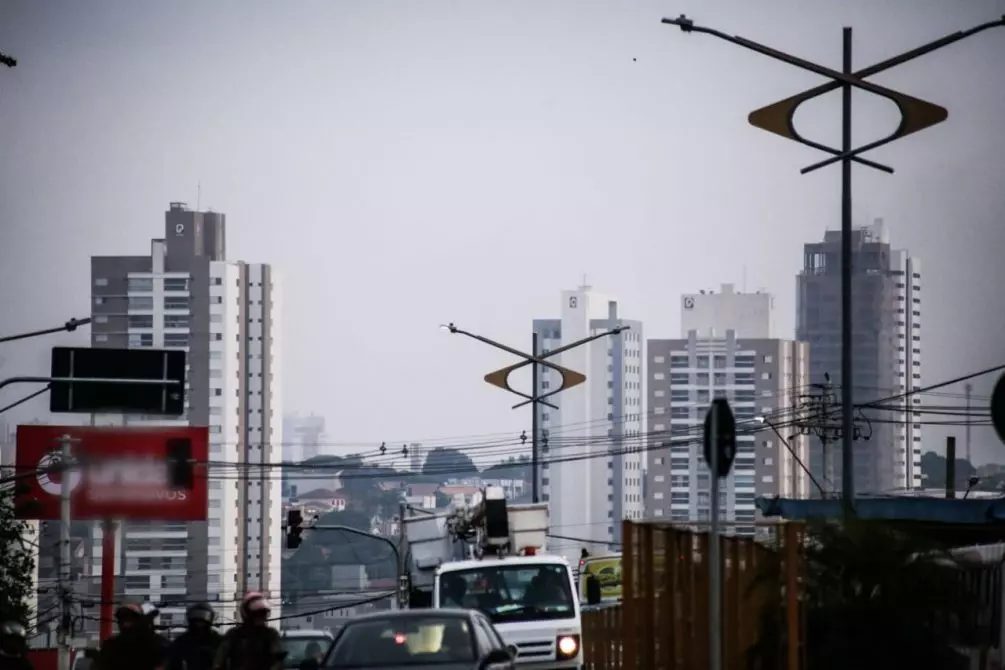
pixel 506 593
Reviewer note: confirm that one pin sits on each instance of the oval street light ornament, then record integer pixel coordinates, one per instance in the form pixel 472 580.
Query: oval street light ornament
pixel 998 408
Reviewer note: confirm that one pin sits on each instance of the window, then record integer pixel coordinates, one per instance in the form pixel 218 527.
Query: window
pixel 173 581
pixel 141 302
pixel 420 640
pixel 141 321
pixel 546 586
pixel 174 544
pixel 176 283
pixel 134 582
pixel 101 281
pixel 743 362
pixel 176 302
pixel 139 284
pixel 176 321
pixel 141 340
pixel 175 339
pixel 659 360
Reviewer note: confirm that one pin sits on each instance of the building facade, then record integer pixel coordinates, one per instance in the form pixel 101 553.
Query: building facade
pixel 225 314
pixel 886 295
pixel 760 376
pixel 592 445
pixel 303 437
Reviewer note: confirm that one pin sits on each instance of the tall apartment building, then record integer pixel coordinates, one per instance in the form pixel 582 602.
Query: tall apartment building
pixel 302 440
pixel 725 350
pixel 592 475
pixel 886 295
pixel 184 294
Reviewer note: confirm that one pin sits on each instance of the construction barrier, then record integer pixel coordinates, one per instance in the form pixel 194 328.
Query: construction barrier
pixel 662 622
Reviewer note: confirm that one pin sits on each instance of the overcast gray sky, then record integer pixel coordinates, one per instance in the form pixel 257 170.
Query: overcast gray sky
pixel 409 163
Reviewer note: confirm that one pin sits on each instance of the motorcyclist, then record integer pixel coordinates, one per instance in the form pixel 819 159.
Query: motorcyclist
pixel 14 647
pixel 150 614
pixel 136 646
pixel 252 644
pixel 196 648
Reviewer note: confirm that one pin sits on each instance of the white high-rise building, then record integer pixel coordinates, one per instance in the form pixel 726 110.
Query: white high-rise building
pixel 592 455
pixel 225 315
pixel 725 351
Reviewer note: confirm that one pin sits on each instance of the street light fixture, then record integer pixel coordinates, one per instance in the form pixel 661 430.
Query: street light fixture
pixel 778 118
pixel 500 379
pixel 763 420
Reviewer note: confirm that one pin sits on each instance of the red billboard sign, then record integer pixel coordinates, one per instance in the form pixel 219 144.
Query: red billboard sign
pixel 121 473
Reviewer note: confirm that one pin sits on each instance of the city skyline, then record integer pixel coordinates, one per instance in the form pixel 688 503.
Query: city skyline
pixel 389 215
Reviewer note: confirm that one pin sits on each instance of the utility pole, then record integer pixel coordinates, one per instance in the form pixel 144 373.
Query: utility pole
pixel 968 389
pixel 535 410
pixel 777 118
pixel 65 573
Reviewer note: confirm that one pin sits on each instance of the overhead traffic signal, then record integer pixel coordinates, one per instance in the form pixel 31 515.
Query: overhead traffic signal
pixel 294 528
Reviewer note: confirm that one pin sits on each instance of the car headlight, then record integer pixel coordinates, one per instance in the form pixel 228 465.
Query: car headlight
pixel 567 646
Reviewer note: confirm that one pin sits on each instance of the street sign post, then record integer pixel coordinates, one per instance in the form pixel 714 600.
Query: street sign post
pixel 132 386
pixel 720 450
pixel 998 408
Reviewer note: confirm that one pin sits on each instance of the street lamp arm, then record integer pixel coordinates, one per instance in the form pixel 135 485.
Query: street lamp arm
pixel 795 456
pixel 68 327
pixel 362 533
pixel 687 25
pixel 510 350
pixel 578 343
pixel 454 330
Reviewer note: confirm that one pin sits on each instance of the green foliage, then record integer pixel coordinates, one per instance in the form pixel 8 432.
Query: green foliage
pixel 933 471
pixel 511 468
pixel 874 597
pixel 445 463
pixel 17 564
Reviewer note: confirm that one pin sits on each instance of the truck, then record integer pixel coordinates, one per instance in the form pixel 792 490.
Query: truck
pixel 492 557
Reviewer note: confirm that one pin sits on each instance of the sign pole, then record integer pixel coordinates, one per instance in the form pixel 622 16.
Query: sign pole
pixel 108 547
pixel 714 562
pixel 65 519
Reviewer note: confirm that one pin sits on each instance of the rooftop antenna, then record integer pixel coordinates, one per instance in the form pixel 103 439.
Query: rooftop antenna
pixel 743 283
pixel 198 196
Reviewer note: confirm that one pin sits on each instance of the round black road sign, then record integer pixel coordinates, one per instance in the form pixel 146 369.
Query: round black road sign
pixel 998 408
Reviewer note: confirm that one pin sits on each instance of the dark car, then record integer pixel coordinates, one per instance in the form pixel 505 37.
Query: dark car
pixel 445 638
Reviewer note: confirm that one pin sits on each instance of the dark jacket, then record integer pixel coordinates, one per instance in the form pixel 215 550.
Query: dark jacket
pixel 250 648
pixel 194 650
pixel 15 663
pixel 140 649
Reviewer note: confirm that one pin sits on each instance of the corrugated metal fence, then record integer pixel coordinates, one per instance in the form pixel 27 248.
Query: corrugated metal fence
pixel 662 621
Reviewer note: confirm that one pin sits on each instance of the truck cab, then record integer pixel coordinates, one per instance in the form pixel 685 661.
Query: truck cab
pixel 531 601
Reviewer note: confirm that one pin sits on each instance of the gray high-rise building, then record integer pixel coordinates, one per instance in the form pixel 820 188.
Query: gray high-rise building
pixel 886 307
pixel 726 350
pixel 184 294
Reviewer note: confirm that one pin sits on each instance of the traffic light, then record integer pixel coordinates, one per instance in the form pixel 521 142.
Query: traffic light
pixel 294 528
pixel 181 470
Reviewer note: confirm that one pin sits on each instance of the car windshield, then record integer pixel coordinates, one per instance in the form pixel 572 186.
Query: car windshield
pixel 508 593
pixel 420 639
pixel 301 647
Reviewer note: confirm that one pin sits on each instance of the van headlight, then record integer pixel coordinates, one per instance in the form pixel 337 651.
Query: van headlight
pixel 566 646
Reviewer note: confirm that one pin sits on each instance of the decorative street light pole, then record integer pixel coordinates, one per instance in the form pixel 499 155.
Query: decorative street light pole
pixel 915 115
pixel 500 378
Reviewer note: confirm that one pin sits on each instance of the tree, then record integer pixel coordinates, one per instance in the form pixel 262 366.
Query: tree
pixel 874 597
pixel 17 564
pixel 445 462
